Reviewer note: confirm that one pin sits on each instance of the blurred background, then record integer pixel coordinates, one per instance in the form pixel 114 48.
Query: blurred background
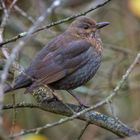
pixel 121 41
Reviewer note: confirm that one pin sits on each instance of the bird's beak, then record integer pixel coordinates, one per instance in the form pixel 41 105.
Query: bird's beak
pixel 101 24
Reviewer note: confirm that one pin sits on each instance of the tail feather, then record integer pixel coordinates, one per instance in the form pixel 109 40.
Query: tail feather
pixel 20 82
pixel 7 88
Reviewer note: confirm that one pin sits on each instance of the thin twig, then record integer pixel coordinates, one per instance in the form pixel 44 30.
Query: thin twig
pixel 4 21
pixel 111 109
pixel 23 13
pixel 23 105
pixel 6 12
pixel 55 23
pixel 83 130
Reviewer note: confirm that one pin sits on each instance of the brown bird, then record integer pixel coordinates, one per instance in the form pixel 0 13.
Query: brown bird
pixel 68 61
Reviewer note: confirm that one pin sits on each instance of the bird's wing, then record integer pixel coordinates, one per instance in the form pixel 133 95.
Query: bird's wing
pixel 57 64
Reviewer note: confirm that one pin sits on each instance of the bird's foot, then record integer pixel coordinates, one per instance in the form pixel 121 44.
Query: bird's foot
pixel 81 104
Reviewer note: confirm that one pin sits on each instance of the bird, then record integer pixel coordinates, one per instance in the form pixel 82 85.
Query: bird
pixel 68 61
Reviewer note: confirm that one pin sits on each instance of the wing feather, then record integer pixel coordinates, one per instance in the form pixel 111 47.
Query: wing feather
pixel 59 63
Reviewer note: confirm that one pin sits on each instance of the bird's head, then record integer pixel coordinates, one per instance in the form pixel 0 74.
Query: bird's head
pixel 86 26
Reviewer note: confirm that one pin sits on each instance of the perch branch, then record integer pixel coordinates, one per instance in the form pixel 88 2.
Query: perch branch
pixel 93 117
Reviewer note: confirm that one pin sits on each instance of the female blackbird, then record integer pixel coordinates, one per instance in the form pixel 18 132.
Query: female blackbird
pixel 66 62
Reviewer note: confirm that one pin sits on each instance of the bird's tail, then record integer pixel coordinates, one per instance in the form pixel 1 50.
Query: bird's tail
pixel 7 88
pixel 20 82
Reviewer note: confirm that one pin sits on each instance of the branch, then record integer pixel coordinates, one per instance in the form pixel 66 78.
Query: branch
pixel 55 23
pixel 93 117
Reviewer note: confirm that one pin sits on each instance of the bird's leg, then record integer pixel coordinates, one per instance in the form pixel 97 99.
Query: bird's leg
pixel 77 99
pixel 55 98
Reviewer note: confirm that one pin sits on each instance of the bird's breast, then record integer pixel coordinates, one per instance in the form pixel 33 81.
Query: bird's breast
pixel 96 43
pixel 85 72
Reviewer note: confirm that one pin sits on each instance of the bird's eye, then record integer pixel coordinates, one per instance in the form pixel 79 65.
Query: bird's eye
pixel 86 26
